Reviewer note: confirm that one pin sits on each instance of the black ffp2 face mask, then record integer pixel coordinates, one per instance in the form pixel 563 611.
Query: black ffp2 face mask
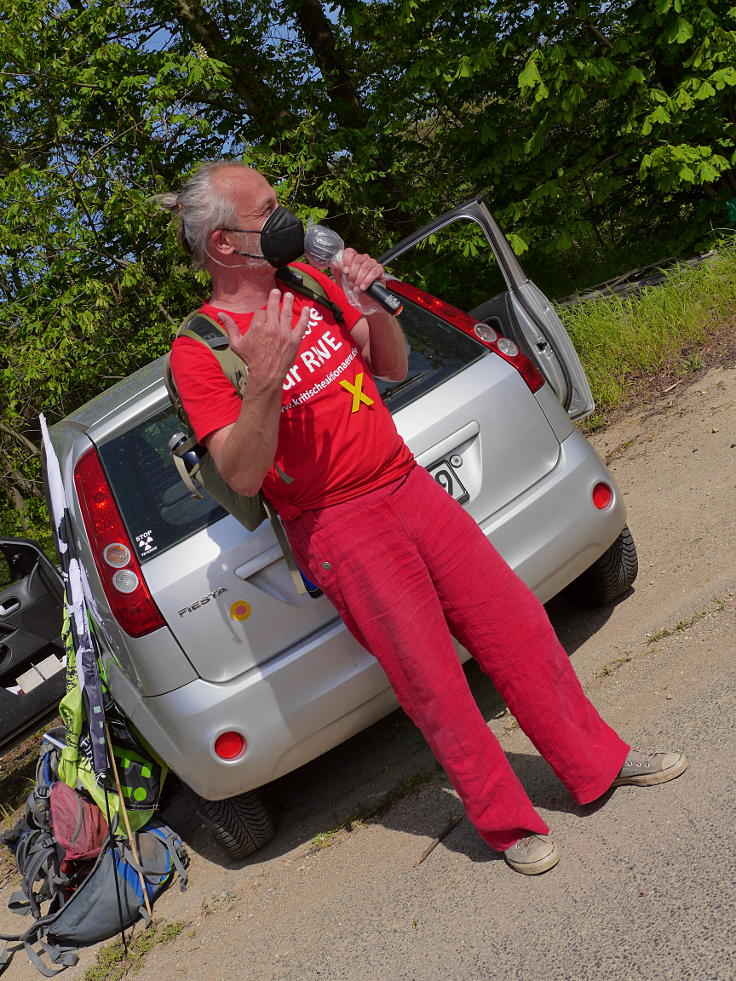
pixel 282 239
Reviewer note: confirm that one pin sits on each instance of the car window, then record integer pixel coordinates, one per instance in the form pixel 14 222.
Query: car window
pixel 156 506
pixel 437 351
pixel 6 579
pixel 455 263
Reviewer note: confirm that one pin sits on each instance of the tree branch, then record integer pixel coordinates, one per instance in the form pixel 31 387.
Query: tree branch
pixel 320 36
pixel 202 28
pixel 589 25
pixel 9 431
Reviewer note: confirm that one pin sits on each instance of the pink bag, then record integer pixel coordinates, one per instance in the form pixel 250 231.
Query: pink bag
pixel 78 825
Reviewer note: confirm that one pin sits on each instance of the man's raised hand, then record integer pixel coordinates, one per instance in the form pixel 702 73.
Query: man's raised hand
pixel 269 346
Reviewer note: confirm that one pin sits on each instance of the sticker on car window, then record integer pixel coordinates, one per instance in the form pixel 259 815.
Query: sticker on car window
pixel 145 544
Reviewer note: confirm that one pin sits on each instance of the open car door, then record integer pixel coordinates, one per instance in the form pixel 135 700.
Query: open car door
pixel 450 258
pixel 31 651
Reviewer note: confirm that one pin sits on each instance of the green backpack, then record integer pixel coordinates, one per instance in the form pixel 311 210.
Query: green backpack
pixel 195 465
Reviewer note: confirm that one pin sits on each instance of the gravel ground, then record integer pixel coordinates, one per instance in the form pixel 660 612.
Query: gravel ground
pixel 645 888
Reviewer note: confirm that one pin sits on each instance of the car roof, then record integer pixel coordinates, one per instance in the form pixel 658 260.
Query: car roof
pixel 144 385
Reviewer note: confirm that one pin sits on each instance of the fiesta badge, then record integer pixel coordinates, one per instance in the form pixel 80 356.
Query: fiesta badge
pixel 240 610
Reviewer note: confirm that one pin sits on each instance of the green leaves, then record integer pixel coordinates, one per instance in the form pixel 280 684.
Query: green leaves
pixel 530 77
pixel 592 128
pixel 676 165
pixel 680 32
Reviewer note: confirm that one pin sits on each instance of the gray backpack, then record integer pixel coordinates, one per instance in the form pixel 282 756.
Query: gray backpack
pixel 72 904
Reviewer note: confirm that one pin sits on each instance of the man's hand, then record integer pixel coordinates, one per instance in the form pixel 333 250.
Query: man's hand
pixel 244 450
pixel 355 271
pixel 377 334
pixel 269 346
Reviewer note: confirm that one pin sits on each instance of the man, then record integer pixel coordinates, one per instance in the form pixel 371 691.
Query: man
pixel 403 563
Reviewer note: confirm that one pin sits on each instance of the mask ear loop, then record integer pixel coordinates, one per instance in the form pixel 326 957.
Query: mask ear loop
pixel 247 255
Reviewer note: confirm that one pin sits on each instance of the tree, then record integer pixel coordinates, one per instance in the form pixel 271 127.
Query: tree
pixel 591 126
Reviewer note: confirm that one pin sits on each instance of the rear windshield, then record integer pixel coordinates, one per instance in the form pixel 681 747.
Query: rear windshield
pixel 437 351
pixel 157 508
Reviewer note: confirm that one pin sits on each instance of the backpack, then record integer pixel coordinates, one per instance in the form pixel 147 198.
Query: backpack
pixel 69 858
pixel 196 467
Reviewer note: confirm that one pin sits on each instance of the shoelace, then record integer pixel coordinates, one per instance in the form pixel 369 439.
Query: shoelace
pixel 637 759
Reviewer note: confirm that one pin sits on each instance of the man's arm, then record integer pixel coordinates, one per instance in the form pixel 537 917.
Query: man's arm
pixel 378 335
pixel 243 451
pixel 382 344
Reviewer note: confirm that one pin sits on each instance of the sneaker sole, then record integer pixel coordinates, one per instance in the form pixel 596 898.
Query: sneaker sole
pixel 535 868
pixel 652 779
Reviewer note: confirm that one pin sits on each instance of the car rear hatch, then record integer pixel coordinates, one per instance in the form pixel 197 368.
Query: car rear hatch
pixel 226 593
pixel 464 257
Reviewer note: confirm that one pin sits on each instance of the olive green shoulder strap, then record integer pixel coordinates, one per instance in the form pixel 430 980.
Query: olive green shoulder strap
pixel 301 282
pixel 207 331
pixel 199 327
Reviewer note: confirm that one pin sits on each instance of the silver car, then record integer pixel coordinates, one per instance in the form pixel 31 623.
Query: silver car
pixel 231 676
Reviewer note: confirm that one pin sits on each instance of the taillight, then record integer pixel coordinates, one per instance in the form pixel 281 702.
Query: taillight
pixel 502 346
pixel 112 550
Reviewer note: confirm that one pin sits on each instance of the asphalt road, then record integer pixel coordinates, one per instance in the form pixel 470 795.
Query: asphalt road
pixel 645 888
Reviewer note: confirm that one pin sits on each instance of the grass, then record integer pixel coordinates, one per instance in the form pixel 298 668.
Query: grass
pixel 620 339
pixel 112 961
pixel 364 813
pixel 718 605
pixel 612 666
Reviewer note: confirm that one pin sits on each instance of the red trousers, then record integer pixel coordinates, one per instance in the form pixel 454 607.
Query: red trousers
pixel 406 567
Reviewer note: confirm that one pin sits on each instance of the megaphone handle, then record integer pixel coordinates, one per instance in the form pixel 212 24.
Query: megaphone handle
pixel 389 301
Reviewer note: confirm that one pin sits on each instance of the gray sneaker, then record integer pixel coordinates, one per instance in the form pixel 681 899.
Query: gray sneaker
pixel 532 855
pixel 647 769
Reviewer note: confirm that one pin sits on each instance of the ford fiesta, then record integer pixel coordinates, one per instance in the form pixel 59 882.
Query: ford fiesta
pixel 232 677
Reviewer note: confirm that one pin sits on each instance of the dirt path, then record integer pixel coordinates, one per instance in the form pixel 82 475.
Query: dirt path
pixel 645 888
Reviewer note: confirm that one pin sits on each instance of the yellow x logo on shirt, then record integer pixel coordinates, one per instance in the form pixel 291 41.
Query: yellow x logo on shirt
pixel 357 392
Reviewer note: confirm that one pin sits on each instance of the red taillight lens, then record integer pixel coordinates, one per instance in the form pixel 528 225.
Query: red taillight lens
pixel 128 595
pixel 526 368
pixel 602 496
pixel 229 745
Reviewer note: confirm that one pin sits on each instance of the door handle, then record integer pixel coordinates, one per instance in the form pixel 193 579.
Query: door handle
pixel 254 565
pixel 12 606
pixel 447 445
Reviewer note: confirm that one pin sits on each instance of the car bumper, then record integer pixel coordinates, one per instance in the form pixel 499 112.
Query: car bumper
pixel 319 692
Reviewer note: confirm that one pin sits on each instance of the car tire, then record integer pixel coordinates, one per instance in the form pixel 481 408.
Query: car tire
pixel 239 825
pixel 611 575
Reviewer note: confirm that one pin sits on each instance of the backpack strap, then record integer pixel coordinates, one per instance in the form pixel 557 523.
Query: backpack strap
pixel 301 282
pixel 10 948
pixel 38 858
pixel 199 327
pixel 177 852
pixel 66 956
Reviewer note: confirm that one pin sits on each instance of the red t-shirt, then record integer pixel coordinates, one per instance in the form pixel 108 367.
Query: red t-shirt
pixel 337 440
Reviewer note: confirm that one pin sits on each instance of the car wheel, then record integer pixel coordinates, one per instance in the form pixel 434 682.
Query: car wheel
pixel 611 575
pixel 239 825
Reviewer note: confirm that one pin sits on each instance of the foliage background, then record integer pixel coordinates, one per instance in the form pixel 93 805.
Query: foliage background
pixel 604 135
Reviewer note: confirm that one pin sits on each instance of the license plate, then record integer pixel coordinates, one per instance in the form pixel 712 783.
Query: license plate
pixel 445 475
